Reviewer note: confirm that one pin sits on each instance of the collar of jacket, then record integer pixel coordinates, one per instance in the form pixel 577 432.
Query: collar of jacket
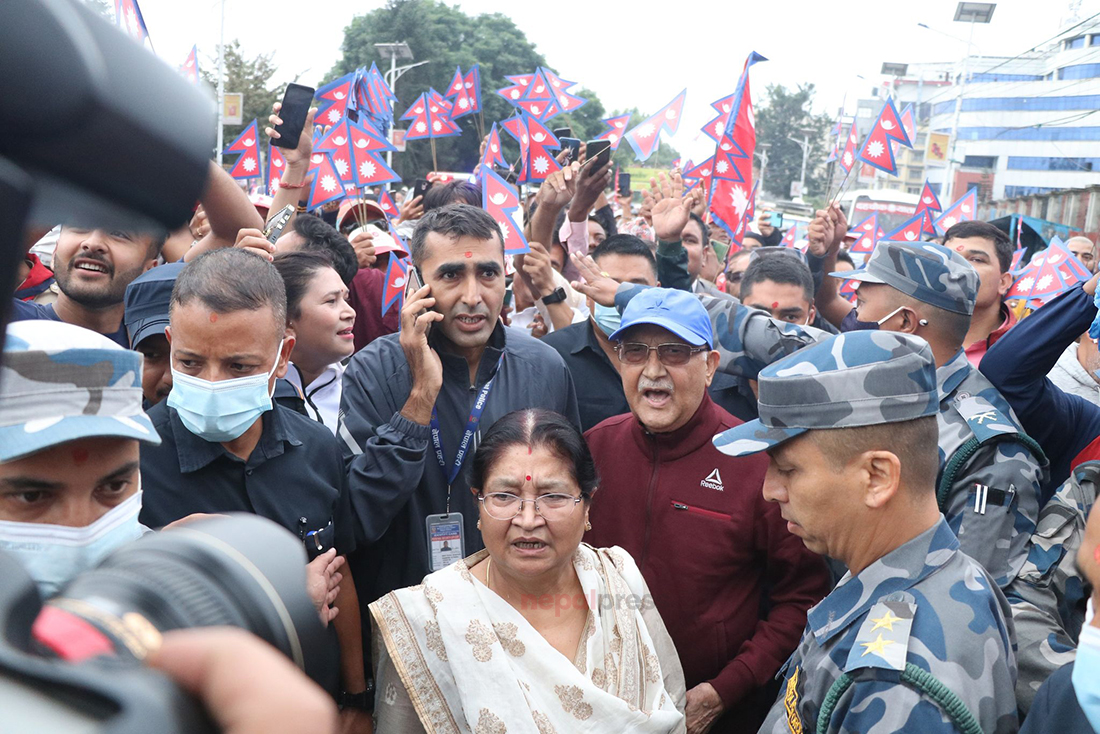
pixel 951 375
pixel 691 436
pixel 896 572
pixel 455 367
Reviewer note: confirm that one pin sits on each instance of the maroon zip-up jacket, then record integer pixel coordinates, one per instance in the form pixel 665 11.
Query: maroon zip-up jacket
pixel 713 552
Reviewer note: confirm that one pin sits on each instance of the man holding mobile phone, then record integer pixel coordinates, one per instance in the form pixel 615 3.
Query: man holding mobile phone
pixel 411 399
pixel 771 234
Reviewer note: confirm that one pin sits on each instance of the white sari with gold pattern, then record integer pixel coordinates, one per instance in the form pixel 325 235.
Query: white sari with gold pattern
pixel 452 656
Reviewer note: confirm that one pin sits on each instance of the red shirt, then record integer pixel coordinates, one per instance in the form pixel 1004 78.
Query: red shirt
pixel 366 298
pixel 708 544
pixel 977 350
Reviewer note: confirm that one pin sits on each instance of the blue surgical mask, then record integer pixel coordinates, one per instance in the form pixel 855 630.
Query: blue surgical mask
pixel 1086 674
pixel 607 318
pixel 851 323
pixel 53 555
pixel 221 411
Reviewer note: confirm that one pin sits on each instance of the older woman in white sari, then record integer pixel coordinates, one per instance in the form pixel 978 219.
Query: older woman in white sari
pixel 537 632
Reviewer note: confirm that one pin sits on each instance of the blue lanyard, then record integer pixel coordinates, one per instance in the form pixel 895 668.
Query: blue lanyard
pixel 467 436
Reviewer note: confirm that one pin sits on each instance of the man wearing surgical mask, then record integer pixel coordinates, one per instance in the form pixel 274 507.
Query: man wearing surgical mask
pixel 226 447
pixel 592 360
pixel 70 486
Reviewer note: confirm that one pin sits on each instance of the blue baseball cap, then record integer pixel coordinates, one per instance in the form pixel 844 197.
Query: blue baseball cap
pixel 677 311
pixel 147 300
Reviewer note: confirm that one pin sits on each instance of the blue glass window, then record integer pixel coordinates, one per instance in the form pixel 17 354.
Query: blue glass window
pixel 1079 71
pixel 1044 163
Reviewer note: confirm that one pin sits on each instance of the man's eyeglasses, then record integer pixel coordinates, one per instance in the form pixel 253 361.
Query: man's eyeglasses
pixel 505 505
pixel 671 355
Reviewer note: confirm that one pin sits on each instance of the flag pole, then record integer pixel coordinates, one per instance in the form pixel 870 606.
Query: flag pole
pixel 435 164
pixel 842 183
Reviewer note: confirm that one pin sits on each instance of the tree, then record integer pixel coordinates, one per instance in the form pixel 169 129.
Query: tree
pixel 250 77
pixel 787 114
pixel 447 37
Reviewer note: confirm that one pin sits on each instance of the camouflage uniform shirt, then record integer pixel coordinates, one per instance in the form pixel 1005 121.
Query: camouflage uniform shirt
pixel 920 629
pixel 991 499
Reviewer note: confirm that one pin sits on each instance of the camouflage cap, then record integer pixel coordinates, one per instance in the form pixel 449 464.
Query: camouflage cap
pixel 859 378
pixel 928 272
pixel 60 382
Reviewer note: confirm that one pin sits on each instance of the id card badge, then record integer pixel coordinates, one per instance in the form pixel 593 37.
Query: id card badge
pixel 445 542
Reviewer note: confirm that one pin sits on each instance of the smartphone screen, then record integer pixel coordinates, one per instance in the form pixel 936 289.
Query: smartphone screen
pixel 624 184
pixel 296 102
pixel 599 152
pixel 563 132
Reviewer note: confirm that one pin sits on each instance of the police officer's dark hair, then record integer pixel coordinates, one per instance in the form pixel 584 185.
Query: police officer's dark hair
pixel 322 238
pixel 536 427
pixel 703 228
pixel 626 244
pixel 782 270
pixel 297 269
pixel 454 221
pixel 231 280
pixel 914 442
pixel 1001 243
pixel 452 192
pixel 951 325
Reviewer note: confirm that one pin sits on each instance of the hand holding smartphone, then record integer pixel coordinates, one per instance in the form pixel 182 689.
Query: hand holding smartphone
pixel 599 154
pixel 296 103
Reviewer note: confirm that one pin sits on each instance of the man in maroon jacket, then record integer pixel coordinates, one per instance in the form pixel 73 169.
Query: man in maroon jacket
pixel 732 585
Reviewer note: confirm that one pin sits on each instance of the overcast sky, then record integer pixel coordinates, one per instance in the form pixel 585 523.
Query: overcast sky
pixel 633 55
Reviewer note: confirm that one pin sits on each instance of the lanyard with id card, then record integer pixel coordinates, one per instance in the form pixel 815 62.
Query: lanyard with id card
pixel 446 541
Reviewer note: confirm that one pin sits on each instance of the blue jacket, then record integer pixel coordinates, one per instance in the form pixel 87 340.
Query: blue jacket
pixel 1056 708
pixel 1017 365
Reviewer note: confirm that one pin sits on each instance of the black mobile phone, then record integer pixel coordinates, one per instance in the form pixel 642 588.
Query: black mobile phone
pixel 599 152
pixel 296 102
pixel 563 132
pixel 421 187
pixel 623 185
pixel 573 145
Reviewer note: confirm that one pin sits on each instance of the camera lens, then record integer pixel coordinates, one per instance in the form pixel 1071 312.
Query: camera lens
pixel 242 571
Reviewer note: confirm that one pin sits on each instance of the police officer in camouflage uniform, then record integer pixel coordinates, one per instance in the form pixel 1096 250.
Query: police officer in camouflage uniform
pixel 991 472
pixel 1048 597
pixel 915 637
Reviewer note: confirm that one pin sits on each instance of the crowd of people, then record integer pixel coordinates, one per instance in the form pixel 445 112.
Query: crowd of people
pixel 639 478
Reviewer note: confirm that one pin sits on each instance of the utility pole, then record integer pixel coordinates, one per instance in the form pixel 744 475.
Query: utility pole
pixel 805 145
pixel 949 184
pixel 763 155
pixel 221 87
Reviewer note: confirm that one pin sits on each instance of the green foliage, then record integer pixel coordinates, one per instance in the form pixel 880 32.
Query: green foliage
pixel 250 77
pixel 448 37
pixel 787 114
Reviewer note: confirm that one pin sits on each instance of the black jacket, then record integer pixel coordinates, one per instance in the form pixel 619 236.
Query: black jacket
pixel 396 480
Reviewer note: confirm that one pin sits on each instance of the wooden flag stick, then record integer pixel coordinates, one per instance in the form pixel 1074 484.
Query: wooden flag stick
pixel 843 182
pixel 435 164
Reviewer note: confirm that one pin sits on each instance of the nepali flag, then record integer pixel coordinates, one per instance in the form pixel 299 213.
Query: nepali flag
pixel 789 237
pixel 645 138
pixel 847 157
pixel 429 119
pixel 912 230
pixel 1073 271
pixel 326 186
pixel 847 290
pixel 501 200
pixel 386 202
pixel 909 123
pixel 128 18
pixel 333 99
pixel 700 174
pixel 493 156
pixel 337 143
pixel 877 150
pixel 929 201
pixel 397 277
pixel 534 139
pixel 737 239
pixel 614 129
pixel 472 83
pixel 717 126
pixel 1041 279
pixel 539 99
pixel 518 88
pixel 248 145
pixel 963 210
pixel 463 101
pixel 868 233
pixel 365 146
pixel 190 68
pixel 731 178
pixel 276 168
pixel 566 101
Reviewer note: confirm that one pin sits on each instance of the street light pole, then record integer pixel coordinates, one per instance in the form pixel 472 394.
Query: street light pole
pixel 805 145
pixel 949 184
pixel 763 163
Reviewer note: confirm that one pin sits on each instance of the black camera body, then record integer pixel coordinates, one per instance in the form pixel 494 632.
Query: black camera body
pixel 73 663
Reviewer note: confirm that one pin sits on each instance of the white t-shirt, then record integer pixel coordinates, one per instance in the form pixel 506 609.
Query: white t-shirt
pixel 322 395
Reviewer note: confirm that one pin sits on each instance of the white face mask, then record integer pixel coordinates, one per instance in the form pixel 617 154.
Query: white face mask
pixel 53 555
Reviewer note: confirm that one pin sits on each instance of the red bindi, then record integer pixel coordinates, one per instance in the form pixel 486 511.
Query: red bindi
pixel 213 317
pixel 528 477
pixel 80 455
pixel 959 248
pixel 469 254
pixel 775 304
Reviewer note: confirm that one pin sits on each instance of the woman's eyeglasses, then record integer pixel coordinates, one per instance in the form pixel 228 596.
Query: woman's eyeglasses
pixel 505 506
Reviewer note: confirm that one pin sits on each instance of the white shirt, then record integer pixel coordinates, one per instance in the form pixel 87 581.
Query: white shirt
pixel 322 395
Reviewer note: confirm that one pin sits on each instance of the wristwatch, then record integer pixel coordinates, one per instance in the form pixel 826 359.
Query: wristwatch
pixel 364 700
pixel 555 296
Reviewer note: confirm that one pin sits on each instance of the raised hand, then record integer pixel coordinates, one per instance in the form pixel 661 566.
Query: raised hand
pixel 253 240
pixel 597 285
pixel 296 158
